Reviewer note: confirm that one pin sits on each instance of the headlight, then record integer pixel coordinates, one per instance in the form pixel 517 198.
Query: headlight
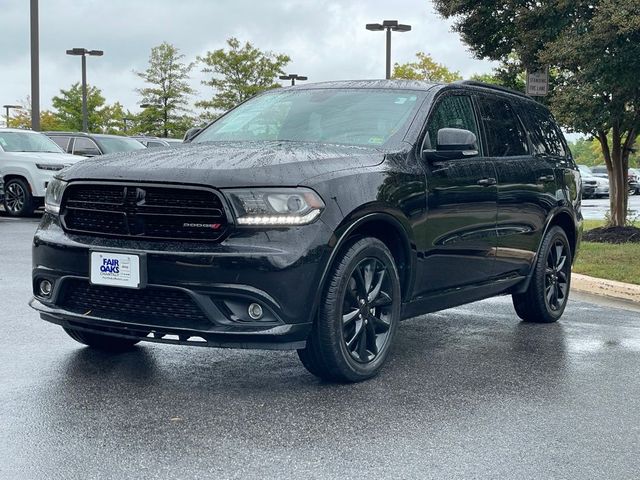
pixel 277 206
pixel 50 166
pixel 54 195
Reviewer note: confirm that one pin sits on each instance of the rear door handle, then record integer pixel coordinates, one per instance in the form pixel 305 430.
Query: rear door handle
pixel 487 182
pixel 546 178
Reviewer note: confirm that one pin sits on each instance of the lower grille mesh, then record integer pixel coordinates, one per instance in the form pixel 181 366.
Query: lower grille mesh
pixel 152 305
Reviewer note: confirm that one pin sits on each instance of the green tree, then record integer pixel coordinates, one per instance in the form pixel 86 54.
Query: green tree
pixel 593 48
pixel 239 73
pixel 425 68
pixel 22 118
pixel 509 73
pixel 68 108
pixel 169 89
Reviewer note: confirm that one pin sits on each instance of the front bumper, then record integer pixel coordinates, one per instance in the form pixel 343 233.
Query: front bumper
pixel 279 269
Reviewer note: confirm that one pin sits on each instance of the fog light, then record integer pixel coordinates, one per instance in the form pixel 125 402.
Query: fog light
pixel 45 288
pixel 255 311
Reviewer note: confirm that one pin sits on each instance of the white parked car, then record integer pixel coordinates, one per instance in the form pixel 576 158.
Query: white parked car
pixel 28 162
pixel 593 186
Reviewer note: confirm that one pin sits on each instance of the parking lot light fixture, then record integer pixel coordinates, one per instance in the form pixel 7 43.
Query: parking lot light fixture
pixel 8 108
pixel 389 26
pixel 83 52
pixel 293 77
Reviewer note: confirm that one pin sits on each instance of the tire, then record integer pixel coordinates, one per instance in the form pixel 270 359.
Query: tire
pixel 546 297
pixel 353 346
pixel 18 201
pixel 98 341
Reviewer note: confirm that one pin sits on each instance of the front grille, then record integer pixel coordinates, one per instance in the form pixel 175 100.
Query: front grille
pixel 153 306
pixel 143 211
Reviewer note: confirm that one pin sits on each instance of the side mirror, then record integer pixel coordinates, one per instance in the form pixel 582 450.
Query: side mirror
pixel 192 132
pixel 453 144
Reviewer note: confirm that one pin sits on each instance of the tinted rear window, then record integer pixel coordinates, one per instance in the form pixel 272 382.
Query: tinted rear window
pixel 545 134
pixel 505 135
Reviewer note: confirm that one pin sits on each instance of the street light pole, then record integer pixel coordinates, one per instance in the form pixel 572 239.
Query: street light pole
pixel 35 68
pixel 389 26
pixel 83 52
pixel 85 110
pixel 9 107
pixel 293 77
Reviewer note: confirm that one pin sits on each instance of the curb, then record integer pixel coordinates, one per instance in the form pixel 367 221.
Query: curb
pixel 607 288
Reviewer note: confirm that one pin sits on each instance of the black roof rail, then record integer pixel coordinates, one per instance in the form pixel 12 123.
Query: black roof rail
pixel 491 86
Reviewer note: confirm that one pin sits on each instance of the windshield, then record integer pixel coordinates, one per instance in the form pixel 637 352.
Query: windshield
pixel 27 142
pixel 347 116
pixel 585 170
pixel 118 144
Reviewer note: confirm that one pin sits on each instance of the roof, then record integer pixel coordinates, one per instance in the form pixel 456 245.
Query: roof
pixel 81 134
pixel 383 84
pixel 21 130
pixel 409 85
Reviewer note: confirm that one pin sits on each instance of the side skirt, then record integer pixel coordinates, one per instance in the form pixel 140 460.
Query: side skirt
pixel 459 296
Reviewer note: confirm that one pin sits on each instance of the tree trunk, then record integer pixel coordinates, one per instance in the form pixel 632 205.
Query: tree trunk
pixel 613 157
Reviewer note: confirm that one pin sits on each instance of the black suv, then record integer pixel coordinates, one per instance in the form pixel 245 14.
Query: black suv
pixel 316 218
pixel 93 144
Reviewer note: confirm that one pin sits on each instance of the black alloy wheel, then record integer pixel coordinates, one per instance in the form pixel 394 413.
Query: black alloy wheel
pixel 359 314
pixel 556 285
pixel 367 310
pixel 547 294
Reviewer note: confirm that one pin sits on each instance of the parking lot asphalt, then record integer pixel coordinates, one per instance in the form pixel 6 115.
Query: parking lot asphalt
pixel 470 392
pixel 596 208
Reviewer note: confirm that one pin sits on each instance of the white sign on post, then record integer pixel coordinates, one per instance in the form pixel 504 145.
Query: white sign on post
pixel 538 83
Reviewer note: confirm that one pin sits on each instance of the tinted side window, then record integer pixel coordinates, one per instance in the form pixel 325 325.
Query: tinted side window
pixel 505 135
pixel 85 146
pixel 545 135
pixel 62 142
pixel 154 144
pixel 455 111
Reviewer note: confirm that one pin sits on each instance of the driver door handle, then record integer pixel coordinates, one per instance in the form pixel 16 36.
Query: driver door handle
pixel 487 182
pixel 546 178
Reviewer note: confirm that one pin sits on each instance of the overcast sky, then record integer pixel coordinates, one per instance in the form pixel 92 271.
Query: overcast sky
pixel 325 39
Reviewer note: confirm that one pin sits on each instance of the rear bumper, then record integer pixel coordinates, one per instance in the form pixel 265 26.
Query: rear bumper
pixel 194 293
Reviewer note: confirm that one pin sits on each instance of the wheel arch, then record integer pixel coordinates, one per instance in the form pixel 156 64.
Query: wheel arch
pixel 390 231
pixel 563 218
pixel 12 176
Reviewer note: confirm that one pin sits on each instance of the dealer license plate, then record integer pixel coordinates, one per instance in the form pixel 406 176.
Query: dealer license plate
pixel 115 269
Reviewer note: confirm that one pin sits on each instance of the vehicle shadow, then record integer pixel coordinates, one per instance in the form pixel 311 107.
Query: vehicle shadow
pixel 437 359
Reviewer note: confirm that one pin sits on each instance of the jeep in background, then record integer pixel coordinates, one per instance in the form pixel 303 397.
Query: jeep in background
pixel 93 144
pixel 315 218
pixel 28 162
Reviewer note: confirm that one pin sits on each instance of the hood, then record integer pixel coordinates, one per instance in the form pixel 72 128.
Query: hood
pixel 227 164
pixel 48 157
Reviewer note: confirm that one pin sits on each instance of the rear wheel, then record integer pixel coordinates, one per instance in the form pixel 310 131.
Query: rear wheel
pixel 548 293
pixel 101 342
pixel 358 317
pixel 18 201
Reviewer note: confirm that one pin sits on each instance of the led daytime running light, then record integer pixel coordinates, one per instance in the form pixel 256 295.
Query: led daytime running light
pixel 278 219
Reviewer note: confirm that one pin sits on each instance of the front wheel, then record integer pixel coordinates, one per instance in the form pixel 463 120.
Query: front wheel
pixel 101 342
pixel 18 201
pixel 546 297
pixel 358 317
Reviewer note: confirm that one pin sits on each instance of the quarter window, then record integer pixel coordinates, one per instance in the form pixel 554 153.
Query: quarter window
pixel 62 142
pixel 85 146
pixel 455 111
pixel 505 135
pixel 546 137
